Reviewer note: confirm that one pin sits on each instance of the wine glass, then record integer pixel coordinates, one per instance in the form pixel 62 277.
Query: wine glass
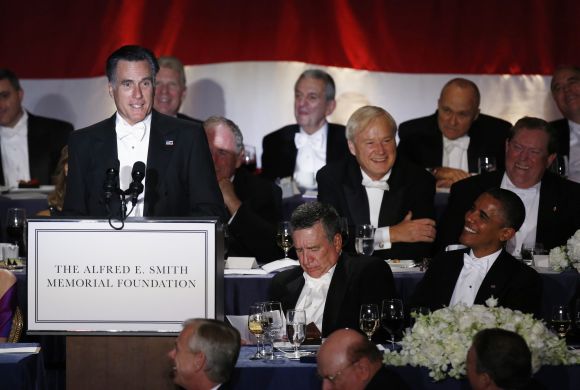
pixel 296 329
pixel 250 157
pixel 392 317
pixel 284 237
pixel 16 229
pixel 344 230
pixel 486 164
pixel 369 318
pixel 273 312
pixel 257 325
pixel 560 320
pixel 365 239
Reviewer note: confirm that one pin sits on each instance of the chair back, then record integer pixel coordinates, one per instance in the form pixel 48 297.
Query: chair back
pixel 17 325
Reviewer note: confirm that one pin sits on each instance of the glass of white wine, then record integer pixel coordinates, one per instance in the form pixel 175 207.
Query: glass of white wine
pixel 560 320
pixel 257 325
pixel 369 318
pixel 365 239
pixel 296 329
pixel 284 237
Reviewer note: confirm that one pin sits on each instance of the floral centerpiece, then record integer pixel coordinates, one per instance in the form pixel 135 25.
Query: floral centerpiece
pixel 566 256
pixel 440 340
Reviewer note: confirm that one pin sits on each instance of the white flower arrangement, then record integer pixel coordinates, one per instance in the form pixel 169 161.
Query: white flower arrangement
pixel 440 340
pixel 565 256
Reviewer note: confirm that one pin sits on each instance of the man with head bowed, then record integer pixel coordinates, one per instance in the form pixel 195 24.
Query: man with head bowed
pixel 179 178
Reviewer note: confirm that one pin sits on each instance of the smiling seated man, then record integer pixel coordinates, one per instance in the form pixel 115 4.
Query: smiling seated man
pixel 485 269
pixel 329 284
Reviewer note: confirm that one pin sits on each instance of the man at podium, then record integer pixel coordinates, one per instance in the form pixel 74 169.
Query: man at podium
pixel 112 156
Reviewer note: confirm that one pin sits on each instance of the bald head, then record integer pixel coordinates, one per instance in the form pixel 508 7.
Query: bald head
pixel 458 107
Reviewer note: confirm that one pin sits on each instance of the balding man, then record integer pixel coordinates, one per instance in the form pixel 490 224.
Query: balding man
pixel 347 360
pixel 450 141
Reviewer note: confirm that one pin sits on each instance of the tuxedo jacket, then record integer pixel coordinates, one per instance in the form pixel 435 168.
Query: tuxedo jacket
pixel 252 231
pixel 356 280
pixel 563 133
pixel 421 141
pixel 188 118
pixel 558 211
pixel 180 179
pixel 511 282
pixel 411 188
pixel 46 138
pixel 279 151
pixel 386 379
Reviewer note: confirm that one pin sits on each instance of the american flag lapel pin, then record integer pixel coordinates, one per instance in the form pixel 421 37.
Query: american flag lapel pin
pixel 168 142
pixel 492 286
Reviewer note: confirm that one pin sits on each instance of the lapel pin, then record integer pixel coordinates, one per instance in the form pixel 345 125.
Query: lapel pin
pixel 492 286
pixel 169 142
pixel 554 209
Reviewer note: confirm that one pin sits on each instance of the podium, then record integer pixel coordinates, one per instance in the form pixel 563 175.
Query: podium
pixel 120 296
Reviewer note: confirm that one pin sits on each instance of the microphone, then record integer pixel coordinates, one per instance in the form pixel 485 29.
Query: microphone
pixel 136 186
pixel 110 186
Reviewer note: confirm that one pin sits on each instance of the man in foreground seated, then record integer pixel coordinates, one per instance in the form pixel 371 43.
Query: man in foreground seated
pixel 254 204
pixel 329 285
pixel 485 269
pixel 348 360
pixel 205 354
pixel 499 359
pixel 552 207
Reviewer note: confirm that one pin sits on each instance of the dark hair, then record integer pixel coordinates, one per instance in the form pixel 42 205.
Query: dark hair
pixel 7 74
pixel 513 209
pixel 219 342
pixel 504 356
pixel 308 214
pixel 318 74
pixel 130 53
pixel 532 123
pixel 464 83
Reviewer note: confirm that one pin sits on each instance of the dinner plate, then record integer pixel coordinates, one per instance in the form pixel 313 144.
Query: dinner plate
pixel 401 263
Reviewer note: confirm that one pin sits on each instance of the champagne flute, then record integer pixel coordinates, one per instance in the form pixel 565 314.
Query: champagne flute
pixel 284 237
pixel 560 320
pixel 392 318
pixel 296 329
pixel 365 239
pixel 257 326
pixel 344 230
pixel 273 312
pixel 16 229
pixel 369 318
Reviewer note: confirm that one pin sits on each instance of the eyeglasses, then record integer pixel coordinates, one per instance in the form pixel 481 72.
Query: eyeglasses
pixel 333 378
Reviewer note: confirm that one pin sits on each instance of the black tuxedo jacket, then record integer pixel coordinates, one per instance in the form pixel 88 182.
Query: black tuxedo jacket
pixel 189 118
pixel 279 151
pixel 558 211
pixel 563 133
pixel 253 230
pixel 46 138
pixel 511 282
pixel 422 141
pixel 411 189
pixel 356 280
pixel 386 379
pixel 180 179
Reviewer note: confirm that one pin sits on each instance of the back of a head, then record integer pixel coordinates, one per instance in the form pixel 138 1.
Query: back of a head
pixel 504 356
pixel 308 214
pixel 513 209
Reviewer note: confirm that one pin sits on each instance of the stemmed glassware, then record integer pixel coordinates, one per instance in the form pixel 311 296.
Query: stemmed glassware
pixel 257 325
pixel 365 239
pixel 284 237
pixel 344 230
pixel 250 157
pixel 296 329
pixel 274 314
pixel 16 229
pixel 560 320
pixel 369 318
pixel 392 317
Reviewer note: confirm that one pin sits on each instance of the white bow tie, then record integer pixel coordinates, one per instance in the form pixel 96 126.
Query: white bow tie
pixel 8 132
pixel 460 143
pixel 476 264
pixel 315 140
pixel 317 283
pixel 379 184
pixel 137 131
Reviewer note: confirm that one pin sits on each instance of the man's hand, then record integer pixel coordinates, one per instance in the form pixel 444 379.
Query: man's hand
pixel 413 230
pixel 446 176
pixel 231 200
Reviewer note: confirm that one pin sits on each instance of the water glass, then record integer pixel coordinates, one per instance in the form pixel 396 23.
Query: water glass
pixel 16 229
pixel 365 239
pixel 486 164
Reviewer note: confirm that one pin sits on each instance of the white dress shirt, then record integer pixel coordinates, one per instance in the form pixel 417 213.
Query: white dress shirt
pixel 312 298
pixel 14 148
pixel 455 153
pixel 375 190
pixel 574 156
pixel 310 156
pixel 132 146
pixel 471 276
pixel 531 198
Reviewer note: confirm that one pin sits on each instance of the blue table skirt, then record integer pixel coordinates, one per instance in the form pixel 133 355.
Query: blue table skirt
pixel 21 370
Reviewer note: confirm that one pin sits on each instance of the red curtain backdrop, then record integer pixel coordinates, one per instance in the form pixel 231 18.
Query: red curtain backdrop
pixel 70 39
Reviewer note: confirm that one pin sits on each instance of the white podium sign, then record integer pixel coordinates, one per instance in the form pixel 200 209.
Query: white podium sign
pixel 84 276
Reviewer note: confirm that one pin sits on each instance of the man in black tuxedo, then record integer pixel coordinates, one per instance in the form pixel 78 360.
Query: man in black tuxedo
pixel 349 361
pixel 381 188
pixel 485 269
pixel 300 150
pixel 329 285
pixel 33 143
pixel 171 88
pixel 254 204
pixel 179 179
pixel 566 94
pixel 552 207
pixel 205 354
pixel 450 141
